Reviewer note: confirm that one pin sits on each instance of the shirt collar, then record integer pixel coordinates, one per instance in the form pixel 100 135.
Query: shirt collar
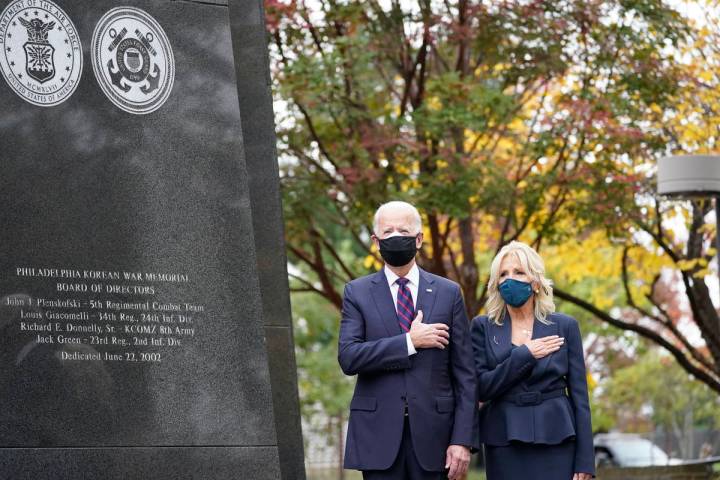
pixel 413 275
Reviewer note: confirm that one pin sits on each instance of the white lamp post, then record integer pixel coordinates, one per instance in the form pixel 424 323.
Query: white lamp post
pixel 692 176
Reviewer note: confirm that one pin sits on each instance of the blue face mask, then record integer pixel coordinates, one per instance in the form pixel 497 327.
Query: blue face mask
pixel 514 292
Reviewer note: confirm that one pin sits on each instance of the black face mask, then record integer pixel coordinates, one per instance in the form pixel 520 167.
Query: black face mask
pixel 399 250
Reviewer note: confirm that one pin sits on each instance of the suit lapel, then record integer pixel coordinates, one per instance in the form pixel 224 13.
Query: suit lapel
pixel 542 330
pixel 501 338
pixel 382 296
pixel 426 295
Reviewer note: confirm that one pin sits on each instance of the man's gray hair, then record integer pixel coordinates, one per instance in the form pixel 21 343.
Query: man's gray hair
pixel 400 205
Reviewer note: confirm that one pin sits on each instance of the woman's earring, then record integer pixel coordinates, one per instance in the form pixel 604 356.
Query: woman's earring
pixel 537 291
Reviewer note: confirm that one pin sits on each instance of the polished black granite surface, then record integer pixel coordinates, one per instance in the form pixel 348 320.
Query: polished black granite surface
pixel 132 319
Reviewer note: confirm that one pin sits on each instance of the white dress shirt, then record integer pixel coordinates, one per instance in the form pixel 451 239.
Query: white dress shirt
pixel 413 284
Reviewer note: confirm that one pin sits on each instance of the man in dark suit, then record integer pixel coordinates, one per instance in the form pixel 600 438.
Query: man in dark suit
pixel 404 333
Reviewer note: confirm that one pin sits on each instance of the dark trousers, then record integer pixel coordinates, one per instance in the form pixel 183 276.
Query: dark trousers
pixel 406 466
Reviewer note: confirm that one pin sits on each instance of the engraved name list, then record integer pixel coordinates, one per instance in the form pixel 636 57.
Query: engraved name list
pixel 106 315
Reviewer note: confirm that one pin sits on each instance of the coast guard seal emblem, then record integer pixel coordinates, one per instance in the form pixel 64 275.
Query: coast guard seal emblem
pixel 132 60
pixel 41 55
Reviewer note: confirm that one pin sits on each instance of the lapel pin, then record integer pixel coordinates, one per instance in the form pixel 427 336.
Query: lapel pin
pixel 428 289
pixel 495 340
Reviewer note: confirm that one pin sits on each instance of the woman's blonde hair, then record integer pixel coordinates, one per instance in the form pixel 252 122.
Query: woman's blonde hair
pixel 535 268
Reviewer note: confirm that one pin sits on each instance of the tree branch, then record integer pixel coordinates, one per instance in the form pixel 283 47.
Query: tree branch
pixel 308 286
pixel 328 246
pixel 710 379
pixel 667 322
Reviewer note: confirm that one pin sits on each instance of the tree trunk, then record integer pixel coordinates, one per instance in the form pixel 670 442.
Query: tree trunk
pixel 341 446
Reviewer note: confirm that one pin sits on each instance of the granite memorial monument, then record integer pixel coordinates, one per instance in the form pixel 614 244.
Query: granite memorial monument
pixel 144 315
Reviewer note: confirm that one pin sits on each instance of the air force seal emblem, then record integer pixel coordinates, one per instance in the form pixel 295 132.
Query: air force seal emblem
pixel 133 60
pixel 41 53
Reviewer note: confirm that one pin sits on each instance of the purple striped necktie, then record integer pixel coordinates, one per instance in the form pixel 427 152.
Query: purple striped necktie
pixel 405 308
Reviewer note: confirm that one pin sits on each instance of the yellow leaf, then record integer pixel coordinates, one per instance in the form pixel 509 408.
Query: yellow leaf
pixel 688 264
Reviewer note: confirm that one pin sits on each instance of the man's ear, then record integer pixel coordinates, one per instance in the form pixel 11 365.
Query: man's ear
pixel 375 240
pixel 419 240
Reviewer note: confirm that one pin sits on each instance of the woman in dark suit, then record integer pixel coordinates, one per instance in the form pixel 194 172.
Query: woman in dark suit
pixel 535 414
